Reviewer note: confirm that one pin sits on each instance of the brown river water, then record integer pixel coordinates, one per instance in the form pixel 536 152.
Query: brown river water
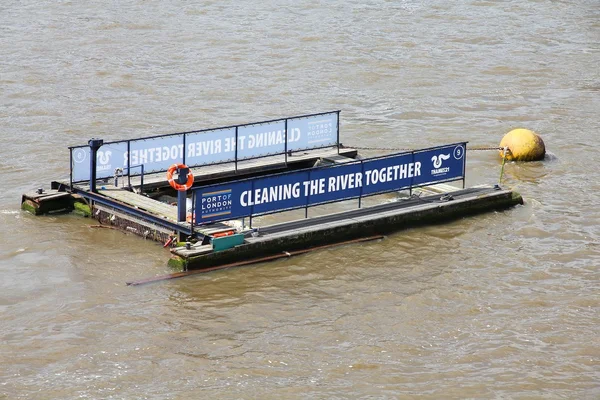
pixel 503 305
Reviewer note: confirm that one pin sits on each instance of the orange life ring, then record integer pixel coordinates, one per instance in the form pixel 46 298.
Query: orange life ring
pixel 174 184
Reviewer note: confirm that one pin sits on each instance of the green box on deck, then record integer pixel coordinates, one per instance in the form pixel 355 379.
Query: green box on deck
pixel 227 242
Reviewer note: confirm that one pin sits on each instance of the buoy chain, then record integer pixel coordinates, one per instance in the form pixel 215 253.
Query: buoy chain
pixel 485 148
pixel 381 148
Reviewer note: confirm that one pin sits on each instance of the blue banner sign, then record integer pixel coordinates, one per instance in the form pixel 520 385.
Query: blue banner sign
pixel 310 132
pixel 328 184
pixel 156 154
pixel 109 156
pixel 210 146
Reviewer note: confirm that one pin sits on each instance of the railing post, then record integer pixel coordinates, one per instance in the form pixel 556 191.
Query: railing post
pixel 362 172
pixel 464 164
pixel 338 132
pixel 182 194
pixel 307 197
pixel 411 179
pixel 71 169
pixel 286 141
pixel 193 220
pixel 142 178
pixel 236 149
pixel 252 206
pixel 183 155
pixel 129 164
pixel 94 144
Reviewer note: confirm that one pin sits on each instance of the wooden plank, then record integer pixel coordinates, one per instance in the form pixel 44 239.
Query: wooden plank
pixel 140 221
pixel 140 202
pixel 338 159
pixel 194 251
pixel 158 208
pixel 46 196
pixel 440 188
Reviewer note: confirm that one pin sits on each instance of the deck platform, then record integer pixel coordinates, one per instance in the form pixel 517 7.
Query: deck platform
pixel 118 204
pixel 343 226
pixel 161 210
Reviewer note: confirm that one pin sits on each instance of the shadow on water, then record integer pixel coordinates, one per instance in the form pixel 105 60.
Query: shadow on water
pixel 405 261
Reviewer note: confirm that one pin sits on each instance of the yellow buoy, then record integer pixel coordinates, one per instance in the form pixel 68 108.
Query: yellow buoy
pixel 523 145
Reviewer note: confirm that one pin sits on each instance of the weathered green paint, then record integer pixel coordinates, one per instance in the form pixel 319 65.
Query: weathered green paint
pixel 31 207
pixel 46 205
pixel 517 198
pixel 82 209
pixel 177 263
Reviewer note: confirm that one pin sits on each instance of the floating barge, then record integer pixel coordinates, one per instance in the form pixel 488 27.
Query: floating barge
pixel 244 171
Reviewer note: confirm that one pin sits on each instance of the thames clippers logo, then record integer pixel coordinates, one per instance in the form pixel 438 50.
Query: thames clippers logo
pixel 216 204
pixel 437 164
pixel 103 158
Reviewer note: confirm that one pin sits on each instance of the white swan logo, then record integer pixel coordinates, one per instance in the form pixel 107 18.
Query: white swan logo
pixel 104 157
pixel 437 160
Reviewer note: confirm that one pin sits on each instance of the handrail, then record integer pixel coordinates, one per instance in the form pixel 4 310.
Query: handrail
pixel 141 166
pixel 217 128
pixel 124 147
pixel 431 179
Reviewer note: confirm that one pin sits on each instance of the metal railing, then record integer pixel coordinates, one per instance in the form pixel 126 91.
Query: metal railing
pixel 141 166
pixel 310 171
pixel 125 146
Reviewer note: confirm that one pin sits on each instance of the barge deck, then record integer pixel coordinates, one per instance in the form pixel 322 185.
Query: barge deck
pixel 230 175
pixel 344 226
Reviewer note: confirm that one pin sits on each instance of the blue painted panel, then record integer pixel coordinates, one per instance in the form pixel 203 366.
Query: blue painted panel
pixel 157 154
pixel 109 157
pixel 216 203
pixel 413 169
pixel 442 164
pixel 315 186
pixel 80 163
pixel 310 132
pixel 210 147
pixel 261 139
pixel 275 192
pixel 333 183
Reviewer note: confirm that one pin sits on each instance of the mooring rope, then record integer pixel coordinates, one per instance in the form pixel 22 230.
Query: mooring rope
pixel 484 148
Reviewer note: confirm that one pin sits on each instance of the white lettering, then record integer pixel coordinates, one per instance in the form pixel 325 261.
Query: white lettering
pixel 270 194
pixel 386 174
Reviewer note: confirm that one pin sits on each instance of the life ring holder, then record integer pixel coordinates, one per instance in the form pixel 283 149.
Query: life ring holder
pixel 173 182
